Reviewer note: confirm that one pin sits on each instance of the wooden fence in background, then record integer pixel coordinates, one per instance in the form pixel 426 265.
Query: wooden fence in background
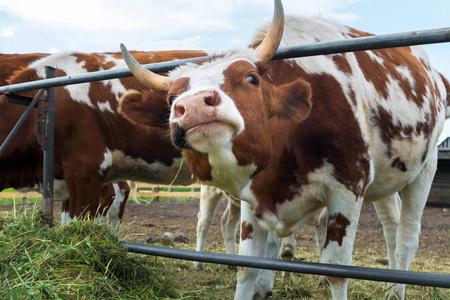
pixel 161 190
pixel 144 190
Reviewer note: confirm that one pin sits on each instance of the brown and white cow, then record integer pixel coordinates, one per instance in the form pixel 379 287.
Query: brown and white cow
pixel 293 136
pixel 30 174
pixel 94 145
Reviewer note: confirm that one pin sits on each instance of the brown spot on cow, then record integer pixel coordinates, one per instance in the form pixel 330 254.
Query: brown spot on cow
pixel 399 164
pixel 355 33
pixel 392 131
pixel 337 229
pixel 14 64
pixel 336 280
pixel 201 165
pixel 177 88
pixel 342 63
pixel 393 62
pixel 246 230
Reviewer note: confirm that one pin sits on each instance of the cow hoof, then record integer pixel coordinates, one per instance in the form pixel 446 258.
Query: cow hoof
pixel 199 266
pixel 287 253
pixel 323 281
pixel 287 276
pixel 232 268
pixel 262 297
pixel 393 296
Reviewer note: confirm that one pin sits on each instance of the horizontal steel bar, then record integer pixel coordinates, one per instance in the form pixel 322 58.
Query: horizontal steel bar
pixel 432 36
pixel 385 275
pixel 94 76
pixel 357 44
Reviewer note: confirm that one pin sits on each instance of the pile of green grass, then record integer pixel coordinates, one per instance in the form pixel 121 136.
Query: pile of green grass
pixel 81 260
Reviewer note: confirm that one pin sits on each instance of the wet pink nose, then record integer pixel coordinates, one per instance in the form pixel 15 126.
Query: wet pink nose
pixel 199 101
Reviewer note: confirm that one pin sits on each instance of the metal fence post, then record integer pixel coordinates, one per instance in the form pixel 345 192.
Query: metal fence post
pixel 48 145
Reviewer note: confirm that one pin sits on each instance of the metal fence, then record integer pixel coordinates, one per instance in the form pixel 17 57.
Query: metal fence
pixel 321 48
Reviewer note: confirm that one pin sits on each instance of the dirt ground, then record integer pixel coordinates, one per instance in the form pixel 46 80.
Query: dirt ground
pixel 142 221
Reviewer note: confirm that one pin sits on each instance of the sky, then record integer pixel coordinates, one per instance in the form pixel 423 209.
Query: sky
pixel 52 26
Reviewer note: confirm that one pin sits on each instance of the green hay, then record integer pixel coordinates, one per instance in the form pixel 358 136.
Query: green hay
pixel 81 260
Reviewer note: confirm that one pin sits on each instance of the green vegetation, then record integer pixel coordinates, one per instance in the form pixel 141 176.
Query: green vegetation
pixel 6 201
pixel 81 260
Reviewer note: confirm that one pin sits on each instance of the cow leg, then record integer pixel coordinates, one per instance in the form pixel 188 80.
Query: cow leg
pixel 107 195
pixel 265 279
pixel 230 221
pixel 115 211
pixel 65 212
pixel 133 186
pixel 84 188
pixel 320 231
pixel 252 243
pixel 414 198
pixel 343 216
pixel 125 189
pixel 209 198
pixel 388 211
pixel 287 252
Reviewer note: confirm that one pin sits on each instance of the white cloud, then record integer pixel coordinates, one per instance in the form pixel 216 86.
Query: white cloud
pixel 7 32
pixel 166 17
pixel 303 7
pixel 53 50
pixel 184 44
pixel 162 18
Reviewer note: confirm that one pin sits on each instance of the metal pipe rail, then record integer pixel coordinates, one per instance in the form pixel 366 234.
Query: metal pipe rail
pixel 431 36
pixel 384 275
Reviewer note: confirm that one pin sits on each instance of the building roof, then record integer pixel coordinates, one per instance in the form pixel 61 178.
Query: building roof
pixel 444 149
pixel 445 144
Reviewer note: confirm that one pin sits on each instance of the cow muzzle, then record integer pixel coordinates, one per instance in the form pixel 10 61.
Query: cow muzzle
pixel 203 120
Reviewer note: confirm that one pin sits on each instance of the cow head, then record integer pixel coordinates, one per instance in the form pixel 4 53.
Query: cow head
pixel 223 107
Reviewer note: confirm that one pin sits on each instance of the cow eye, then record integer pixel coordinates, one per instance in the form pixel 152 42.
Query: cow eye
pixel 171 99
pixel 252 79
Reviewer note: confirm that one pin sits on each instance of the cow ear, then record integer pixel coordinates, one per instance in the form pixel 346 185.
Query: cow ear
pixel 292 101
pixel 147 109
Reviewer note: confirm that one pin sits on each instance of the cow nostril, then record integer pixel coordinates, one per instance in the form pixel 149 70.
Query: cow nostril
pixel 179 111
pixel 212 100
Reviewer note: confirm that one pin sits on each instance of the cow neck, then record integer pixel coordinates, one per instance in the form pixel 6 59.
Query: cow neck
pixel 223 170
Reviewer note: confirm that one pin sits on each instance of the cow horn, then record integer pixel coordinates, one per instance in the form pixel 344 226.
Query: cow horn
pixel 269 45
pixel 146 77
